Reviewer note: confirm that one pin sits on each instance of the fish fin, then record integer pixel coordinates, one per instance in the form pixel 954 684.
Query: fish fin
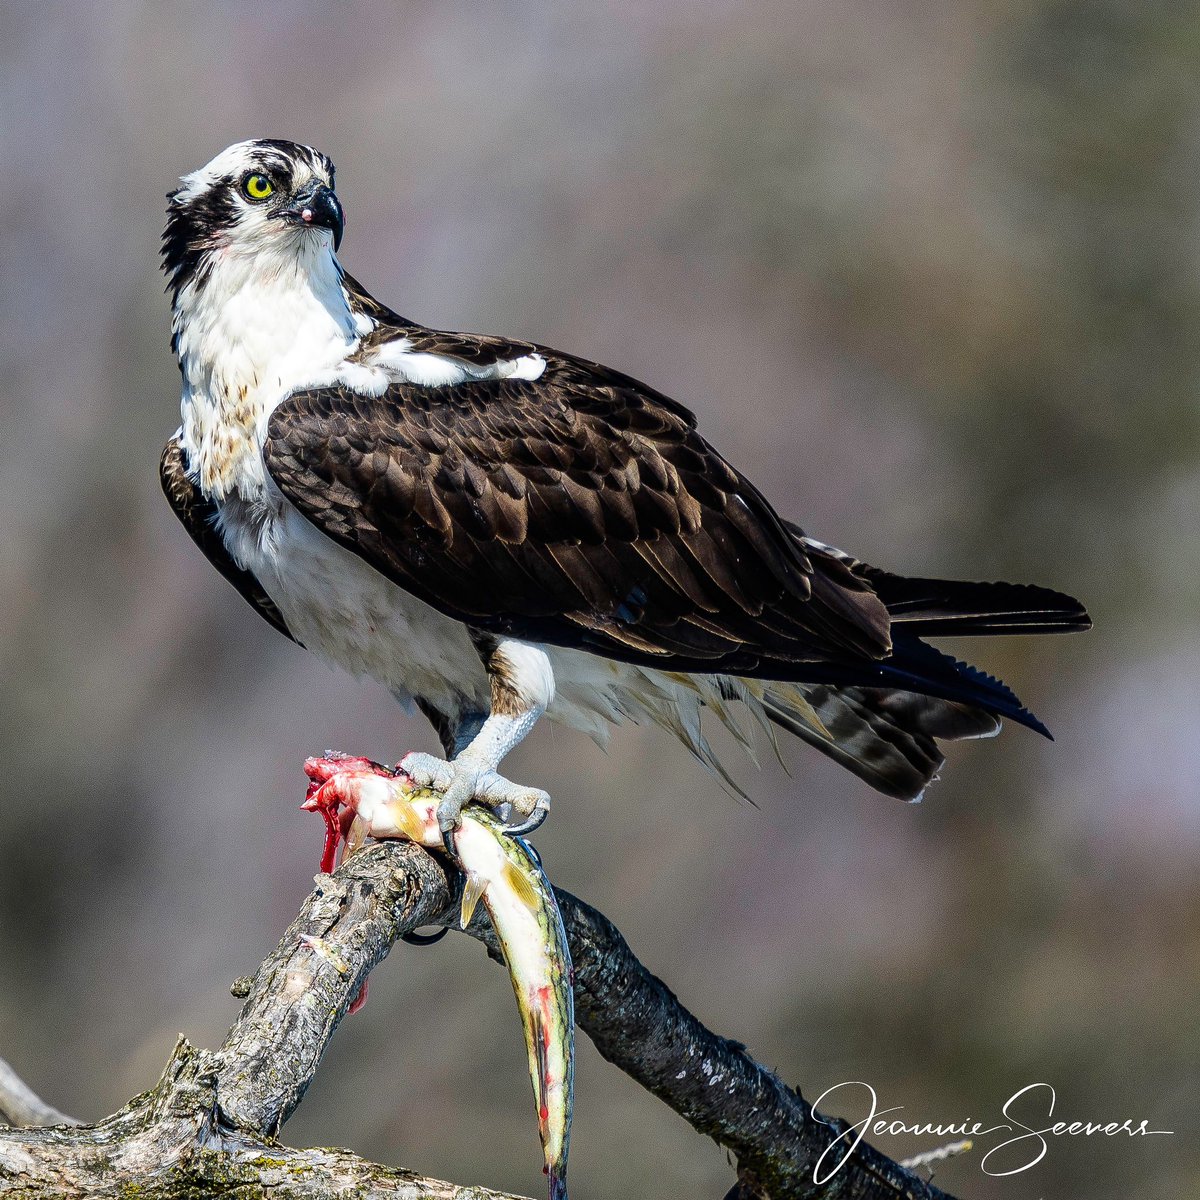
pixel 406 820
pixel 518 882
pixel 356 836
pixel 473 888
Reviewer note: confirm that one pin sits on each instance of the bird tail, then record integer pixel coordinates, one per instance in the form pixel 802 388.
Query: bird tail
pixel 887 737
pixel 924 607
pixel 880 719
pixel 883 719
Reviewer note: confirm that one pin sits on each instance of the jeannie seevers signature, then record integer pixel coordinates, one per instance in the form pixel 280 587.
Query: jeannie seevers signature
pixel 1015 1154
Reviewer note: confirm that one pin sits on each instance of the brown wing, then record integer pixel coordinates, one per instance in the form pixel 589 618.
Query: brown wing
pixel 197 516
pixel 576 509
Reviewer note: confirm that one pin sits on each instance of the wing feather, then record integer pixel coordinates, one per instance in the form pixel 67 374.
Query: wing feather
pixel 198 516
pixel 576 509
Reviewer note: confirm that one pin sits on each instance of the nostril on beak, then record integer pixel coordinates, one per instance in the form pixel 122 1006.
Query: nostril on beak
pixel 317 208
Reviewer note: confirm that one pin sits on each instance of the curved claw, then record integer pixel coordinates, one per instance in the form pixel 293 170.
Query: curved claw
pixel 531 822
pixel 505 813
pixel 463 780
pixel 449 816
pixel 414 938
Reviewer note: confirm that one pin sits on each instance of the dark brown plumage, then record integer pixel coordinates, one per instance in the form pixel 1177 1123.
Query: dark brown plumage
pixel 583 509
pixel 197 515
pixel 562 511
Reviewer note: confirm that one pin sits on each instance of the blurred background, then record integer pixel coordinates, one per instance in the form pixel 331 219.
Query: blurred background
pixel 929 273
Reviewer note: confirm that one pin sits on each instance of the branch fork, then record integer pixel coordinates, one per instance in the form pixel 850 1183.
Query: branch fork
pixel 211 1121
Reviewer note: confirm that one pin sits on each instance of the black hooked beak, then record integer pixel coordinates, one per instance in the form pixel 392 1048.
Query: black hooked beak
pixel 317 207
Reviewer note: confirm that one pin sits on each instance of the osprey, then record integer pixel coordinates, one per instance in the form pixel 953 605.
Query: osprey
pixel 496 530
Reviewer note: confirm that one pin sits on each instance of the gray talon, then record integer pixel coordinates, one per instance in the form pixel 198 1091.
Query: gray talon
pixel 413 938
pixel 464 780
pixel 530 823
pixel 449 815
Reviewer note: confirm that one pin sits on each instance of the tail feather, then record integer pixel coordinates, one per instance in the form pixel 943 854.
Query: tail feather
pixel 883 718
pixel 915 666
pixel 945 606
pixel 886 737
pixel 950 606
pixel 947 720
pixel 883 721
pixel 860 737
pixel 931 673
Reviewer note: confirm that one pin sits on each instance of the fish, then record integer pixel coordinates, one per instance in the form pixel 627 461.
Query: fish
pixel 503 873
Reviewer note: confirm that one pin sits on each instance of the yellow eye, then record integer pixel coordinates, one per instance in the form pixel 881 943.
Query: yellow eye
pixel 257 187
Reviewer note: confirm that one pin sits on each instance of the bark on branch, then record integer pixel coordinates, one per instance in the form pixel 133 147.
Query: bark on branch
pixel 209 1124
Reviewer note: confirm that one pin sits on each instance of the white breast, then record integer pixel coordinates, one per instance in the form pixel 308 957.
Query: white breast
pixel 252 335
pixel 249 333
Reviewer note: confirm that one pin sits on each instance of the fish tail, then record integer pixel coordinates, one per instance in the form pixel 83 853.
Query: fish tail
pixel 558 1183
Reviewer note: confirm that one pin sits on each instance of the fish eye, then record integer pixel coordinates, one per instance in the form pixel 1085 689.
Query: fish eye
pixel 257 186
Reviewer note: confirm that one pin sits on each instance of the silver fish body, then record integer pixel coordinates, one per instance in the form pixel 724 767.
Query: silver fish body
pixel 503 872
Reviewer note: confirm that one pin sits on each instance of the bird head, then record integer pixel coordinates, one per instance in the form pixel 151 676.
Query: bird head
pixel 261 199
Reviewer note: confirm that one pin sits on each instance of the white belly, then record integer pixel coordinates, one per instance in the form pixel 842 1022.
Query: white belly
pixel 346 611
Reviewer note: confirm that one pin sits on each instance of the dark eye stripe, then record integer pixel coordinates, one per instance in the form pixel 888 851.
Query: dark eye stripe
pixel 191 225
pixel 278 168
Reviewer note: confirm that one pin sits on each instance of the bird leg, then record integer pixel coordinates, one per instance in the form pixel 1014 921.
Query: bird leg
pixel 522 686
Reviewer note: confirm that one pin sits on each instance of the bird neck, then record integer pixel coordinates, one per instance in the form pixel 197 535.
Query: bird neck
pixel 248 329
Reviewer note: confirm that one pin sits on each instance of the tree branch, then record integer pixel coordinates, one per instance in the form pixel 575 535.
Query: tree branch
pixel 20 1105
pixel 212 1118
pixel 299 995
pixel 639 1025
